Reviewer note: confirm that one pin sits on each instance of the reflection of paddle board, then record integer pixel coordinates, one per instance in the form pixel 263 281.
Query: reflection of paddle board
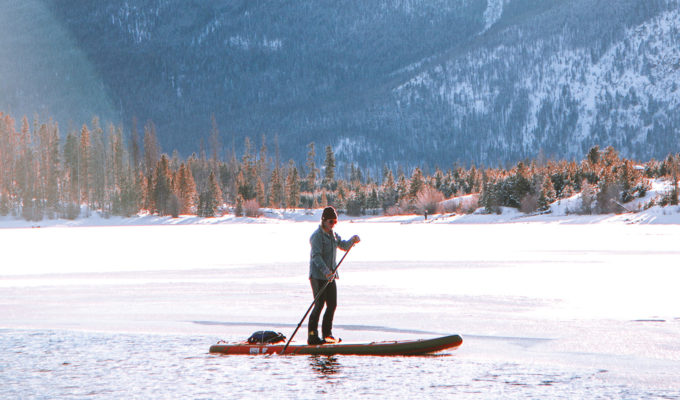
pixel 393 348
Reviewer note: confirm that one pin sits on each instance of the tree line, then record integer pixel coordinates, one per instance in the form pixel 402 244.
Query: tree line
pixel 42 176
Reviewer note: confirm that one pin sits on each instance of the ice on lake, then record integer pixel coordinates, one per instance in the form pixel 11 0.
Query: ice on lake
pixel 589 307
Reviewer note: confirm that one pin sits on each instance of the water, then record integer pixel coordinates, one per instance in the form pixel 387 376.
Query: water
pixel 64 364
pixel 547 312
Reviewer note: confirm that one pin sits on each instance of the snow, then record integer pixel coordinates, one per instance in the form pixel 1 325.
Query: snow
pixel 541 292
pixel 516 250
pixel 493 12
pixel 563 211
pixel 573 290
pixel 350 147
pixel 567 73
pixel 247 43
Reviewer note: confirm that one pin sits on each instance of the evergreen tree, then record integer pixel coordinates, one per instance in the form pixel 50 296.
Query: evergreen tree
pixel 488 196
pixel 135 199
pixel 448 185
pixel 71 167
pixel 675 172
pixel 162 186
pixel 4 203
pixel 402 187
pixel 185 190
pixel 611 157
pixel 42 167
pixel 214 141
pixel 389 191
pixel 238 210
pixel 593 156
pixel 373 200
pixel 147 194
pixel 118 163
pixel 472 184
pixel 292 186
pixel 175 161
pixel 356 177
pixel 329 169
pixel 215 191
pixel 26 172
pixel 627 179
pixel 547 195
pixel 228 178
pixel 417 183
pixel 247 175
pixel 36 180
pixel 211 199
pixel 674 192
pixel 324 200
pixel 98 166
pixel 260 195
pixel 84 175
pixel 263 174
pixel 151 147
pixel 134 146
pixel 276 192
pixel 342 194
pixel 311 169
pixel 587 198
pixel 54 170
pixel 8 151
pixel 439 181
pixel 355 203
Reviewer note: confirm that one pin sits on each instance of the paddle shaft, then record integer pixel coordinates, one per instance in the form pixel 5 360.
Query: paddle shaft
pixel 316 298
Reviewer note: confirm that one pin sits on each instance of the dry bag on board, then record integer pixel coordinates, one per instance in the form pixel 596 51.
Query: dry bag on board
pixel 266 337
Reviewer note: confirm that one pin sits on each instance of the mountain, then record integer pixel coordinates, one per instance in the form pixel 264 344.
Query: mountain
pixel 44 72
pixel 416 82
pixel 560 77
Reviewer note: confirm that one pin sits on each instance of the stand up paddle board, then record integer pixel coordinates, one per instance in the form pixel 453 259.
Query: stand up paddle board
pixel 393 348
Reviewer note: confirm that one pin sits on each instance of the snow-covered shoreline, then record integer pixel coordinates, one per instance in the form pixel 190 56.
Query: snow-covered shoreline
pixel 564 211
pixel 669 215
pixel 540 293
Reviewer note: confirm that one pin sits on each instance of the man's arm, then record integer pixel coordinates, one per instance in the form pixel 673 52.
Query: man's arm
pixel 346 244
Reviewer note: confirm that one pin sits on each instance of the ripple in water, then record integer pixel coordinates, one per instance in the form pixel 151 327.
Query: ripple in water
pixel 64 364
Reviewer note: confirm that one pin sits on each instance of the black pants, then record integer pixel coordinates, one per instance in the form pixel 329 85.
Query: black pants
pixel 329 298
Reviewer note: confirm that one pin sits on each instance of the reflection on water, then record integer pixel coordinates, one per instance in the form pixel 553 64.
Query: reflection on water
pixel 63 364
pixel 325 366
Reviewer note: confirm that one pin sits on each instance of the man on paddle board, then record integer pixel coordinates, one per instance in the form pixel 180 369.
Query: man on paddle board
pixel 324 242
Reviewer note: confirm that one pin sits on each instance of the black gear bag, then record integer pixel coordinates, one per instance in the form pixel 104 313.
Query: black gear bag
pixel 266 337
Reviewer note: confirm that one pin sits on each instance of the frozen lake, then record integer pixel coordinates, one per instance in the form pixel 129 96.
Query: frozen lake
pixel 546 310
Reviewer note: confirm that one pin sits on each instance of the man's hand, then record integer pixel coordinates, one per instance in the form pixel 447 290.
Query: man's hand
pixel 331 277
pixel 355 239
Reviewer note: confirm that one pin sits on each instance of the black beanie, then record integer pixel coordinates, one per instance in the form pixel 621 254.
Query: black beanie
pixel 329 213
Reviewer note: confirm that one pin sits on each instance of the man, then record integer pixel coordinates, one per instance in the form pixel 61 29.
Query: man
pixel 324 243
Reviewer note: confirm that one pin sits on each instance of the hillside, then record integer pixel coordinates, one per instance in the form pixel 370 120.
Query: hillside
pixel 392 81
pixel 44 72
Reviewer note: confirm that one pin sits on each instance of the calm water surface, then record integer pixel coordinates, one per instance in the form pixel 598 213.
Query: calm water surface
pixel 67 364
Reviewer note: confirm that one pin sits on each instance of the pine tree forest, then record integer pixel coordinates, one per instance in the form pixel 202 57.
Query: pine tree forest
pixel 96 169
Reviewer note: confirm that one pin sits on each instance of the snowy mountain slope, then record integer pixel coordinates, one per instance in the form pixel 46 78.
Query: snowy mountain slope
pixel 545 92
pixel 412 82
pixel 493 12
pixel 44 73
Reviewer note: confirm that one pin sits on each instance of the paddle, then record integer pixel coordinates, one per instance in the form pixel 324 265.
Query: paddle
pixel 318 295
